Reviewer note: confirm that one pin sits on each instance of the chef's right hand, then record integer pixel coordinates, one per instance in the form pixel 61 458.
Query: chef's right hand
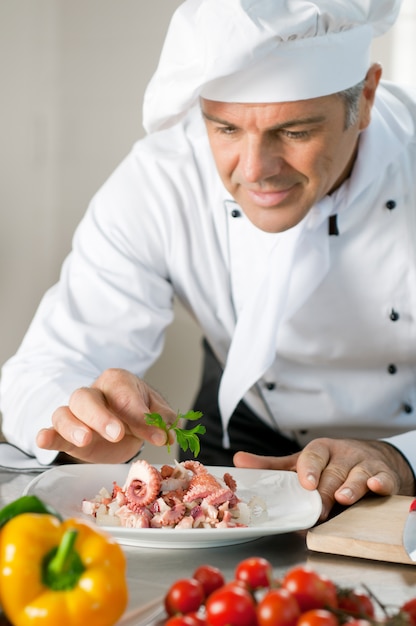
pixel 105 423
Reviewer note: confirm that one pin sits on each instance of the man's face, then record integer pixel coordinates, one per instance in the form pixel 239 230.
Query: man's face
pixel 278 160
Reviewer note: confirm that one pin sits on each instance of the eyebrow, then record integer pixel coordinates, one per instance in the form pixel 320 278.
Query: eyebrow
pixel 304 121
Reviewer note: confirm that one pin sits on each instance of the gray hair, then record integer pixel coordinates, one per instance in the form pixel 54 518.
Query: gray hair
pixel 351 98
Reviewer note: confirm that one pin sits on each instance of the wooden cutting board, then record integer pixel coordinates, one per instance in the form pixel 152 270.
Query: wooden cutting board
pixel 370 529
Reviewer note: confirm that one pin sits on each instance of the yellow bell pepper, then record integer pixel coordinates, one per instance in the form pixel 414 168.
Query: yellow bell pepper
pixel 55 573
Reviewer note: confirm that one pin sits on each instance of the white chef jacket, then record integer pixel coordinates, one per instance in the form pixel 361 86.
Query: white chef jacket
pixel 163 224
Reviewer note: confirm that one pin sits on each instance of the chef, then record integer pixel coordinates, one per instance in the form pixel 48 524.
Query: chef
pixel 275 196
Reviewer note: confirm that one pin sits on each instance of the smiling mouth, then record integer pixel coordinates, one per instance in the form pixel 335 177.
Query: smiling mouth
pixel 269 198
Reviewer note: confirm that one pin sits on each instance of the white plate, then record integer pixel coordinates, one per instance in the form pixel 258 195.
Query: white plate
pixel 290 507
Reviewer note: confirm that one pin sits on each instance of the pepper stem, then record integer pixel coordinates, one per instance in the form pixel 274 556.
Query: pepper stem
pixel 62 566
pixel 62 558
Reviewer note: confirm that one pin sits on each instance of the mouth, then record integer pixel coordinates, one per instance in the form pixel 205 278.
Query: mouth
pixel 269 198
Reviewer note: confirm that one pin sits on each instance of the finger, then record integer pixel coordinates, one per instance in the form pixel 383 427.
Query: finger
pixel 157 404
pixel 354 487
pixel 360 480
pixel 87 411
pixel 256 461
pixel 131 399
pixel 98 451
pixel 383 484
pixel 50 439
pixel 75 438
pixel 311 463
pixel 314 472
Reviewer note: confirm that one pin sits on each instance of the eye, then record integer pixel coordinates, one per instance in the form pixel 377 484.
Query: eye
pixel 295 134
pixel 226 130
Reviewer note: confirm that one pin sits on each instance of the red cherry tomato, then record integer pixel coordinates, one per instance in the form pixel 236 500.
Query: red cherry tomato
pixel 317 617
pixel 278 608
pixel 409 607
pixel 311 590
pixel 184 596
pixel 211 578
pixel 356 603
pixel 230 606
pixel 255 571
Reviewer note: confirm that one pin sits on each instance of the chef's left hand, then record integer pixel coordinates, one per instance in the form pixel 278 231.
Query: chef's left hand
pixel 343 470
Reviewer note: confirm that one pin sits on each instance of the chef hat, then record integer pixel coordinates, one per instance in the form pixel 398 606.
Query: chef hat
pixel 262 51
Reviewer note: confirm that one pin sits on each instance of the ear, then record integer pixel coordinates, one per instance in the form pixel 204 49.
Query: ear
pixel 372 80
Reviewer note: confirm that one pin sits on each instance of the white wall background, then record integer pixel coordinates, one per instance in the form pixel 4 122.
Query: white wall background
pixel 72 78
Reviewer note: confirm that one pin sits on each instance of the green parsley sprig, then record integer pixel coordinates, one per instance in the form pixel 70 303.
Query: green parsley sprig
pixel 185 438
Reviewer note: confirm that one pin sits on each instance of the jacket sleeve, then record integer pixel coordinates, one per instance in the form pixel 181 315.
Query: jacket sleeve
pixel 406 444
pixel 110 307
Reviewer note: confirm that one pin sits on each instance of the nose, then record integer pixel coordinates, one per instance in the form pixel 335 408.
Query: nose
pixel 258 160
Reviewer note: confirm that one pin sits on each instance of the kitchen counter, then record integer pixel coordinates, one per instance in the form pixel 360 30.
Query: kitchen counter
pixel 152 570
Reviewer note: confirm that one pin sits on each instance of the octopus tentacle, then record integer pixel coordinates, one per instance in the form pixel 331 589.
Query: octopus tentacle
pixel 230 482
pixel 201 486
pixel 195 466
pixel 219 497
pixel 142 484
